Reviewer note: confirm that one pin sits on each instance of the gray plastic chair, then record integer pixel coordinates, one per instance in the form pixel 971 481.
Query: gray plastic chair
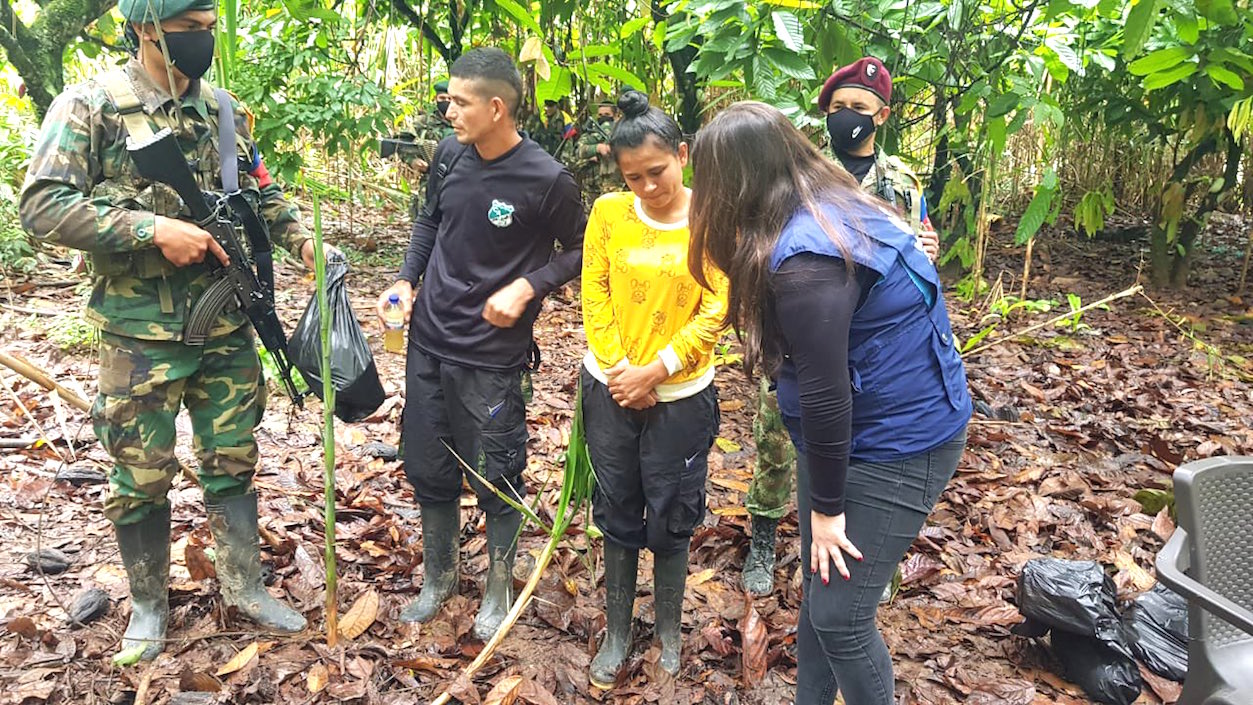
pixel 1209 561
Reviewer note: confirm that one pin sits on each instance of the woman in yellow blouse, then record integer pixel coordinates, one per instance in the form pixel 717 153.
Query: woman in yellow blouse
pixel 649 404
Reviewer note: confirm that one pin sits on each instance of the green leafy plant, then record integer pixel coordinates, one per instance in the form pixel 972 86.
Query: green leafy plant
pixel 69 332
pixel 1092 209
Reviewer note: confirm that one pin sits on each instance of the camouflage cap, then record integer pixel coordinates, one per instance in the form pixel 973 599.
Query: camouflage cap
pixel 159 10
pixel 440 87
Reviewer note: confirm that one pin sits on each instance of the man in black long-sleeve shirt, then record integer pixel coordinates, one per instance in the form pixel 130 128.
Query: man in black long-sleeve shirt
pixel 484 250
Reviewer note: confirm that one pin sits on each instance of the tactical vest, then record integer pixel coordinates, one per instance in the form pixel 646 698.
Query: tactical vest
pixel 892 181
pixel 148 263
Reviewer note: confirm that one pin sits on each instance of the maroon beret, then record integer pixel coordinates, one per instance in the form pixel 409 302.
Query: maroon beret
pixel 868 74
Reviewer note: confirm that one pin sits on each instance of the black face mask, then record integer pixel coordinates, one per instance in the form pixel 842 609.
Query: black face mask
pixel 849 128
pixel 604 119
pixel 442 107
pixel 190 52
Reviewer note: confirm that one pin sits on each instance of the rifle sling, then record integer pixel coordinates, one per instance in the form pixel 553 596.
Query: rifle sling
pixel 258 235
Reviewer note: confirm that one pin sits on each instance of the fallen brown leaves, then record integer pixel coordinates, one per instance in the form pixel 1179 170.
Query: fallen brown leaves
pixel 1102 415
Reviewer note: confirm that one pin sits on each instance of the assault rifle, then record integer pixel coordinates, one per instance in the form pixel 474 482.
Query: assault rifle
pixel 160 159
pixel 407 146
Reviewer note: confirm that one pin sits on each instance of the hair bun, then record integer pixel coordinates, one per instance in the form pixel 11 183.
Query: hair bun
pixel 633 103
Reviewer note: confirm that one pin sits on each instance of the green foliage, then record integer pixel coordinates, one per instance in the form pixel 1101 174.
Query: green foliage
pixel 17 253
pixel 999 311
pixel 69 332
pixel 1092 210
pixel 753 49
pixel 1040 210
pixel 305 83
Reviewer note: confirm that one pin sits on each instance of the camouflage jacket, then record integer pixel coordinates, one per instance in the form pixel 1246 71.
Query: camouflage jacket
pixel 597 172
pixel 431 126
pixel 82 192
pixel 897 184
pixel 549 136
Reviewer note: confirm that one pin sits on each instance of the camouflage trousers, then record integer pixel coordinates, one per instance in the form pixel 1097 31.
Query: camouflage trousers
pixel 142 386
pixel 771 489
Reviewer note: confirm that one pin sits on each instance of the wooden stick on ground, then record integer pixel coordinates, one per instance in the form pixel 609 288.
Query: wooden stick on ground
pixel 1069 314
pixel 44 380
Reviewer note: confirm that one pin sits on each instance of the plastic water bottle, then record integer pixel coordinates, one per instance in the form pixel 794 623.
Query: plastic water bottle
pixel 394 320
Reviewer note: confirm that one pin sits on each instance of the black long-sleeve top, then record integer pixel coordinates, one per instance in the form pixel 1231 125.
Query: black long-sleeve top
pixel 815 298
pixel 488 224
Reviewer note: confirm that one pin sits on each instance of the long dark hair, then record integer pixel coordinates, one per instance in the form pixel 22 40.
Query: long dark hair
pixel 752 171
pixel 640 122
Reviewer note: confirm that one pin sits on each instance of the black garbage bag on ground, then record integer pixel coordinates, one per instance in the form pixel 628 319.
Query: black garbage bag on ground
pixel 1104 672
pixel 1074 596
pixel 1156 625
pixel 358 391
pixel 1076 600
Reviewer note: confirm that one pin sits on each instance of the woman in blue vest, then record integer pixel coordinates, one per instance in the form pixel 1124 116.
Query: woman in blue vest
pixel 832 296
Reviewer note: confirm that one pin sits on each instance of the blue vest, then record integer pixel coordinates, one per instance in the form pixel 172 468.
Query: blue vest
pixel 909 384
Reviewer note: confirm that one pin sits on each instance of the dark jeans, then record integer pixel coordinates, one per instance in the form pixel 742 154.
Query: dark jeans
pixel 650 465
pixel 480 414
pixel 886 504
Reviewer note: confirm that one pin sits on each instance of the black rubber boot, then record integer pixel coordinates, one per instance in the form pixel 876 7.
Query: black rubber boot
pixel 502 546
pixel 441 526
pixel 233 522
pixel 758 577
pixel 669 582
pixel 621 566
pixel 145 549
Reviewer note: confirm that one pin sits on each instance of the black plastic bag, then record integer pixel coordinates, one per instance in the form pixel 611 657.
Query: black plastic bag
pixel 1076 601
pixel 1074 596
pixel 358 391
pixel 1104 673
pixel 1156 625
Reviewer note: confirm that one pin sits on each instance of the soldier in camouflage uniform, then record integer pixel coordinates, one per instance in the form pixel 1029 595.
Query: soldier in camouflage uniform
pixel 855 99
pixel 548 128
pixel 431 126
pixel 595 167
pixel 83 192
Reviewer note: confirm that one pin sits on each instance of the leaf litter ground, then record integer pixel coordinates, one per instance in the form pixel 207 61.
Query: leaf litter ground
pixel 1084 418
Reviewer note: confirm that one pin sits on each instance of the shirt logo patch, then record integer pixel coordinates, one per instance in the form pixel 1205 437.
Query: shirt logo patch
pixel 500 214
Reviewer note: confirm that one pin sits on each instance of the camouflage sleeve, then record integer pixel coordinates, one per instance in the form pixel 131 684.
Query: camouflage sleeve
pixel 279 213
pixel 55 205
pixel 587 146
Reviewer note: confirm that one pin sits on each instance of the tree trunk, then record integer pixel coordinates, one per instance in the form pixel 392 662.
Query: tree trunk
pixel 37 50
pixel 1159 256
pixel 1172 261
pixel 941 166
pixel 684 82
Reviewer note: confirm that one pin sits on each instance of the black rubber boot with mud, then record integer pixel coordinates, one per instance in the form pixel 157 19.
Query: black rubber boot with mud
pixel 441 527
pixel 621 566
pixel 758 577
pixel 502 547
pixel 669 582
pixel 233 523
pixel 145 549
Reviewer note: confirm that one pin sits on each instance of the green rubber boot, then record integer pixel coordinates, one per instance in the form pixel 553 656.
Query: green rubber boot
pixel 621 566
pixel 233 522
pixel 502 547
pixel 441 525
pixel 669 582
pixel 145 549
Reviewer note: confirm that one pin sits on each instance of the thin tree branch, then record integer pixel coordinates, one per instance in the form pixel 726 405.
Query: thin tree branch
pixel 427 30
